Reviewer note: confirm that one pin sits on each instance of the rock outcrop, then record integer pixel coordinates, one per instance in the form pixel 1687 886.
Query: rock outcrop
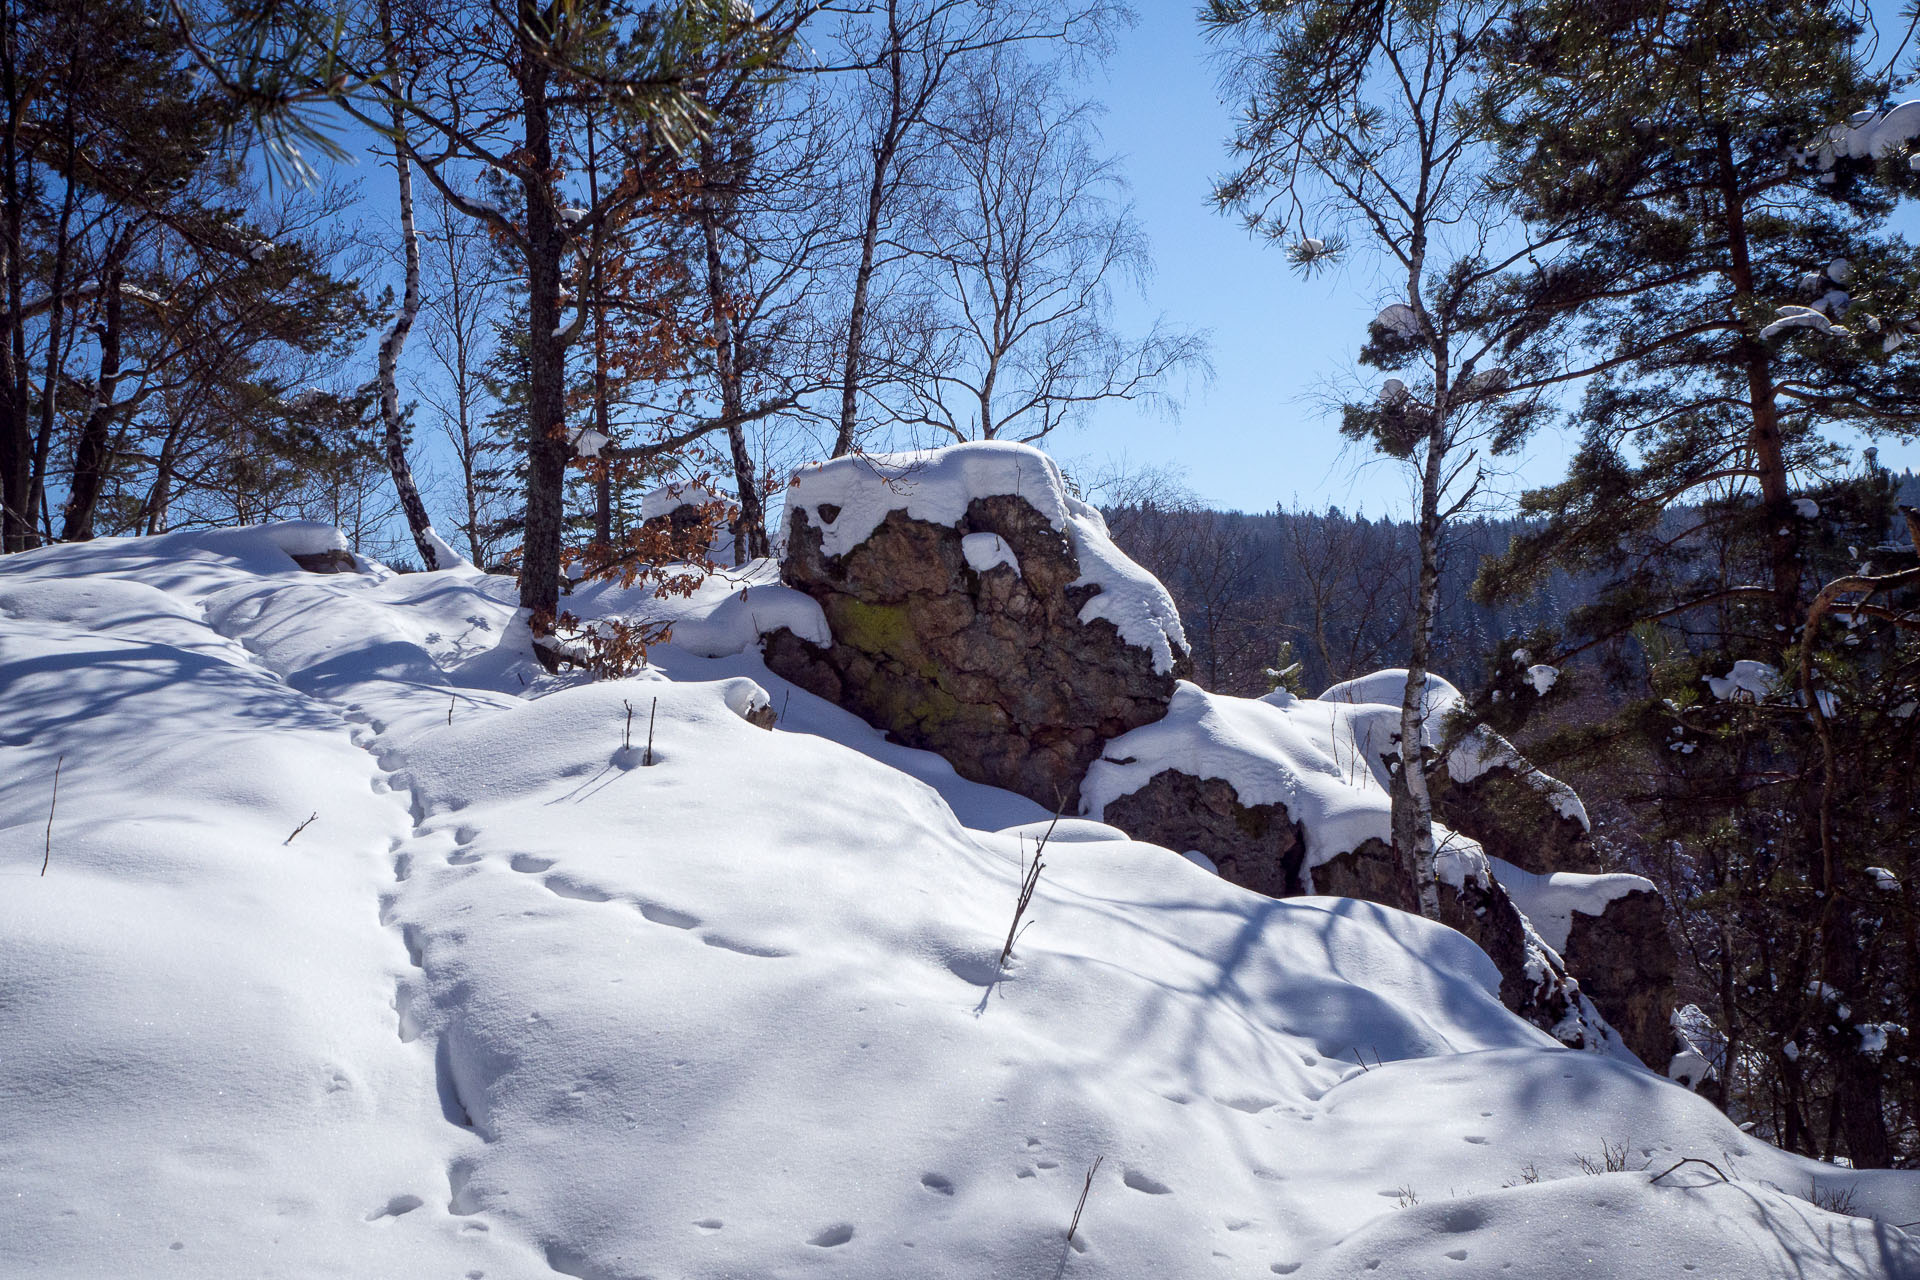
pixel 975 610
pixel 970 606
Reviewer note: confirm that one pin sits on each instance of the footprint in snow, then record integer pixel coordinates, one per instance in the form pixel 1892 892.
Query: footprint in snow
pixel 938 1183
pixel 395 1207
pixel 832 1237
pixel 529 863
pixel 567 887
pixel 709 1224
pixel 668 916
pixel 743 948
pixel 1143 1183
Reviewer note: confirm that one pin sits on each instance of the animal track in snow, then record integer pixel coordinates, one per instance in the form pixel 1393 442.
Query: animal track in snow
pixel 667 915
pixel 1144 1183
pixel 567 887
pixel 832 1237
pixel 709 1224
pixel 395 1207
pixel 529 863
pixel 1458 1255
pixel 744 948
pixel 937 1183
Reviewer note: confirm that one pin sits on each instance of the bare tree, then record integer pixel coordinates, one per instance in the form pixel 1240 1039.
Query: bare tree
pixel 768 212
pixel 392 417
pixel 463 293
pixel 1025 231
pixel 905 52
pixel 1359 120
pixel 495 88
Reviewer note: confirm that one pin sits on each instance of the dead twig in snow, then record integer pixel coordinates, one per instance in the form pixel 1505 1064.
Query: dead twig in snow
pixel 1690 1160
pixel 1085 1187
pixel 302 827
pixel 1029 881
pixel 648 758
pixel 47 857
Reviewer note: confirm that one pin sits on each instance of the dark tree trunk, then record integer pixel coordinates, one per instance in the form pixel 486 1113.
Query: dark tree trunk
pixel 92 457
pixel 547 447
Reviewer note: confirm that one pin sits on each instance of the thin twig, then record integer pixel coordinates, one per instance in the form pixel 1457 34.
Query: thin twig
pixel 302 827
pixel 1084 1189
pixel 1029 881
pixel 648 758
pixel 48 856
pixel 626 743
pixel 450 702
pixel 1691 1160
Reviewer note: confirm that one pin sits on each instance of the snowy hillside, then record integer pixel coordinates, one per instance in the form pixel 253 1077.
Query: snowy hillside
pixel 364 948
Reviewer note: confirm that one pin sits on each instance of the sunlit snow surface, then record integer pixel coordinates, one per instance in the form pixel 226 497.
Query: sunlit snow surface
pixel 515 1003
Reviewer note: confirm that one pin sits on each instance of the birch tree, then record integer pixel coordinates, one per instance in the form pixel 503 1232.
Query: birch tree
pixel 1357 135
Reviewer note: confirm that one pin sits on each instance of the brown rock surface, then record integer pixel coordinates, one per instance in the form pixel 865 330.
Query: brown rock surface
pixel 994 670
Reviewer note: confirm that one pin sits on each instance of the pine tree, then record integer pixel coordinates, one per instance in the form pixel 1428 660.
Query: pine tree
pixel 1727 245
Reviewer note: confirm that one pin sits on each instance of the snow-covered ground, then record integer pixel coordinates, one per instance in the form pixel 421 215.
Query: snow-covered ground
pixel 513 1002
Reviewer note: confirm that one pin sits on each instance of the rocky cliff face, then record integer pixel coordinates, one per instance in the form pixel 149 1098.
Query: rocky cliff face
pixel 977 613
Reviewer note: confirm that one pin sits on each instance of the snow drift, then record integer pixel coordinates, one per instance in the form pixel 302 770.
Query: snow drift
pixel 512 1002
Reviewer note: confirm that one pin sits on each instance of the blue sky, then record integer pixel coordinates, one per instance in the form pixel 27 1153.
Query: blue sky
pixel 1254 438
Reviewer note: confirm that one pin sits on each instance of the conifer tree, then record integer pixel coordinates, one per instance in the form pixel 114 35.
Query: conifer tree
pixel 1724 174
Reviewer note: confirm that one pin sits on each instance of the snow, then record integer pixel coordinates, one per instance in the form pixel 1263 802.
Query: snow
pixel 737 622
pixel 986 550
pixel 588 442
pixel 1479 751
pixel 668 498
pixel 515 1003
pixel 1868 135
pixel 1401 319
pixel 1794 317
pixel 1549 901
pixel 1746 680
pixel 1806 508
pixel 1541 677
pixel 1884 879
pixel 1873 1036
pixel 1321 760
pixel 938 485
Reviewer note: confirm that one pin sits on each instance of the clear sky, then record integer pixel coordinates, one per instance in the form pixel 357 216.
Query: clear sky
pixel 1254 438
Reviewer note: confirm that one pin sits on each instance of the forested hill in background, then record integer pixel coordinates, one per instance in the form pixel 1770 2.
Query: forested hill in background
pixel 1338 587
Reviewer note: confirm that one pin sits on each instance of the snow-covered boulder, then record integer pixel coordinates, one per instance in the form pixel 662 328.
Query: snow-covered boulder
pixel 1611 930
pixel 687 506
pixel 1485 788
pixel 977 609
pixel 1289 796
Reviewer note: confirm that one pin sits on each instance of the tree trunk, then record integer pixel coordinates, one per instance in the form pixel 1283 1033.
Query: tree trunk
pixel 885 147
pixel 1763 434
pixel 546 444
pixel 91 456
pixel 395 340
pixel 16 436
